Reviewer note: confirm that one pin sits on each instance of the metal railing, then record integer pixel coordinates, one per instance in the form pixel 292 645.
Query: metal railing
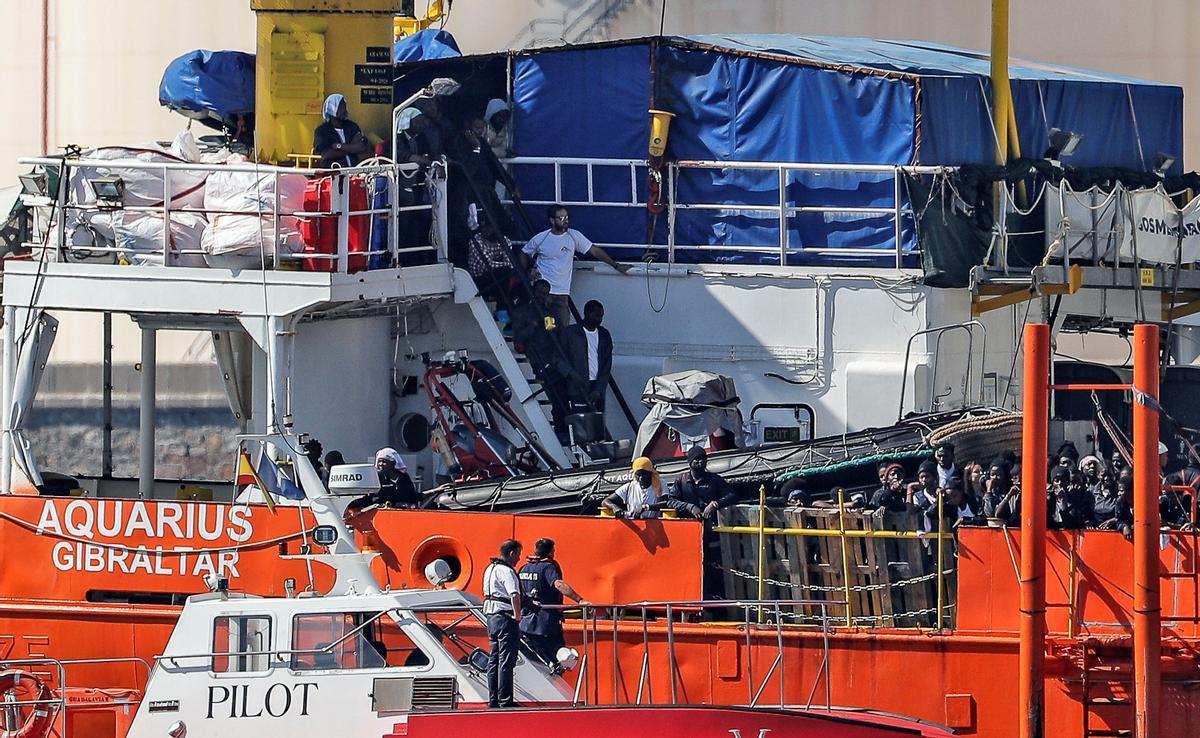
pixel 935 400
pixel 279 241
pixel 60 703
pixel 769 619
pixel 782 211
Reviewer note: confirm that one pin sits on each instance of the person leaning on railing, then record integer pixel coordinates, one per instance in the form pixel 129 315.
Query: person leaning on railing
pixel 338 140
pixel 553 253
pixel 641 497
pixel 699 493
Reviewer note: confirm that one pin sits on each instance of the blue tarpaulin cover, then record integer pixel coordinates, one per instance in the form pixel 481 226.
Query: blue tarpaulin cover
pixel 786 98
pixel 211 86
pixel 422 45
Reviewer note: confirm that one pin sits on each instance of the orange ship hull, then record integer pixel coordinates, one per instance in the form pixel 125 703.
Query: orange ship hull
pixel 965 679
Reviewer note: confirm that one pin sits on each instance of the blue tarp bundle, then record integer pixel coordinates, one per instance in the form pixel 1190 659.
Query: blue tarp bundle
pixel 424 45
pixel 211 86
pixel 782 98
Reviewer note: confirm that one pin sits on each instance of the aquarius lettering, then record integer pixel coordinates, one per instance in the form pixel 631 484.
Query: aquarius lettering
pixel 104 532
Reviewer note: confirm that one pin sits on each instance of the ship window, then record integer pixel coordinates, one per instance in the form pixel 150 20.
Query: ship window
pixel 352 640
pixel 240 643
pixel 122 597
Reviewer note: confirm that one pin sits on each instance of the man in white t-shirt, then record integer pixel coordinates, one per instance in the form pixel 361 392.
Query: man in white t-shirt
pixel 553 251
pixel 502 610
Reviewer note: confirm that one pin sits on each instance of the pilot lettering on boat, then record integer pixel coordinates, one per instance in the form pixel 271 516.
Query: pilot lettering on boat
pixel 275 701
pixel 117 535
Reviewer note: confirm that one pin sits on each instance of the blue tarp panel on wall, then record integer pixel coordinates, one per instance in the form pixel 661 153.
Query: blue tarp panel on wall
pixel 586 103
pixel 957 129
pixel 808 99
pixel 733 108
pixel 744 109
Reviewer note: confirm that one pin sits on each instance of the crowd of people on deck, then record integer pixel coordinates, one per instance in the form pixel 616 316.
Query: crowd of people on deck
pixel 530 286
pixel 1087 492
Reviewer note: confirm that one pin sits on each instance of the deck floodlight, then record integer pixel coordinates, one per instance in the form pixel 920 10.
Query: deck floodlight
pixel 1163 163
pixel 325 535
pixel 1062 143
pixel 108 190
pixel 33 183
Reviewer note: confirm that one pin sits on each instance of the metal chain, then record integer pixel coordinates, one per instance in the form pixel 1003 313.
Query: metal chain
pixel 835 619
pixel 822 588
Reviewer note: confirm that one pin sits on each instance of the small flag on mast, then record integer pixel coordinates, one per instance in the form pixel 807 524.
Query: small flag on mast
pixel 246 474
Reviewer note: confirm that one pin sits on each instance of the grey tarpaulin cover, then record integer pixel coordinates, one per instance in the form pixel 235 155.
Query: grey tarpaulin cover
pixel 693 403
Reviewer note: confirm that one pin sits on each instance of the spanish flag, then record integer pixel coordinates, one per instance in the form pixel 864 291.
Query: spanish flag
pixel 246 474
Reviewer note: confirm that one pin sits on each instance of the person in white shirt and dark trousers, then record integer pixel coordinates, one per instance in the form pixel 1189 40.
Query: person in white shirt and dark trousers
pixel 553 252
pixel 502 608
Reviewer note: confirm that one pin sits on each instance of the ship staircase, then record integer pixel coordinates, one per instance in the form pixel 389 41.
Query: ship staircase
pixel 533 395
pixel 1101 653
pixel 166 288
pixel 587 21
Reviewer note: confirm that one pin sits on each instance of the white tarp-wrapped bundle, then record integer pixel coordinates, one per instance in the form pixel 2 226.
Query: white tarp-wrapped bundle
pixel 93 234
pixel 139 238
pixel 247 241
pixel 695 404
pixel 1142 224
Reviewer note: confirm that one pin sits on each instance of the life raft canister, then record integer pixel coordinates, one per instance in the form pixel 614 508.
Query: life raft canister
pixel 24 688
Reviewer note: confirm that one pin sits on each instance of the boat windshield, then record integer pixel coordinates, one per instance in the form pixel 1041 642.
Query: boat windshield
pixel 352 640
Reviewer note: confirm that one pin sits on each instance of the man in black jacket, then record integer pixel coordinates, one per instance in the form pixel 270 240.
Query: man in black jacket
pixel 698 492
pixel 588 347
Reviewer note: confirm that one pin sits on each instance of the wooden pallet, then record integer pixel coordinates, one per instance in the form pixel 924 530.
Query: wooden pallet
pixel 815 569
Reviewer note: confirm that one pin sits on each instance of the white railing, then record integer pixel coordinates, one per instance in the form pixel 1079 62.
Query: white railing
pixel 783 210
pixel 278 221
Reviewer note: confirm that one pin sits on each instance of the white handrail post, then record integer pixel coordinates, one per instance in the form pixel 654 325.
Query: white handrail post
pixel 9 377
pixel 342 206
pixel 441 215
pixel 166 234
pixel 783 216
pixel 898 224
pixel 276 239
pixel 393 232
pixel 671 169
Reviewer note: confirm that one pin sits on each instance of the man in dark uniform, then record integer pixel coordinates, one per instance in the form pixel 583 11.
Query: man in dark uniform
pixel 542 584
pixel 699 493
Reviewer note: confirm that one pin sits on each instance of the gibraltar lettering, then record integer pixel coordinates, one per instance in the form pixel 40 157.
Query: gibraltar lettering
pixel 103 533
pixel 276 700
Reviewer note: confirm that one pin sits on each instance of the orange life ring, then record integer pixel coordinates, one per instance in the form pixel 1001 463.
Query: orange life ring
pixel 27 688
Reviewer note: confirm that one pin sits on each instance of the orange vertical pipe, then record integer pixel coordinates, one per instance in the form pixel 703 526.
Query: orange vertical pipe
pixel 1036 379
pixel 1147 626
